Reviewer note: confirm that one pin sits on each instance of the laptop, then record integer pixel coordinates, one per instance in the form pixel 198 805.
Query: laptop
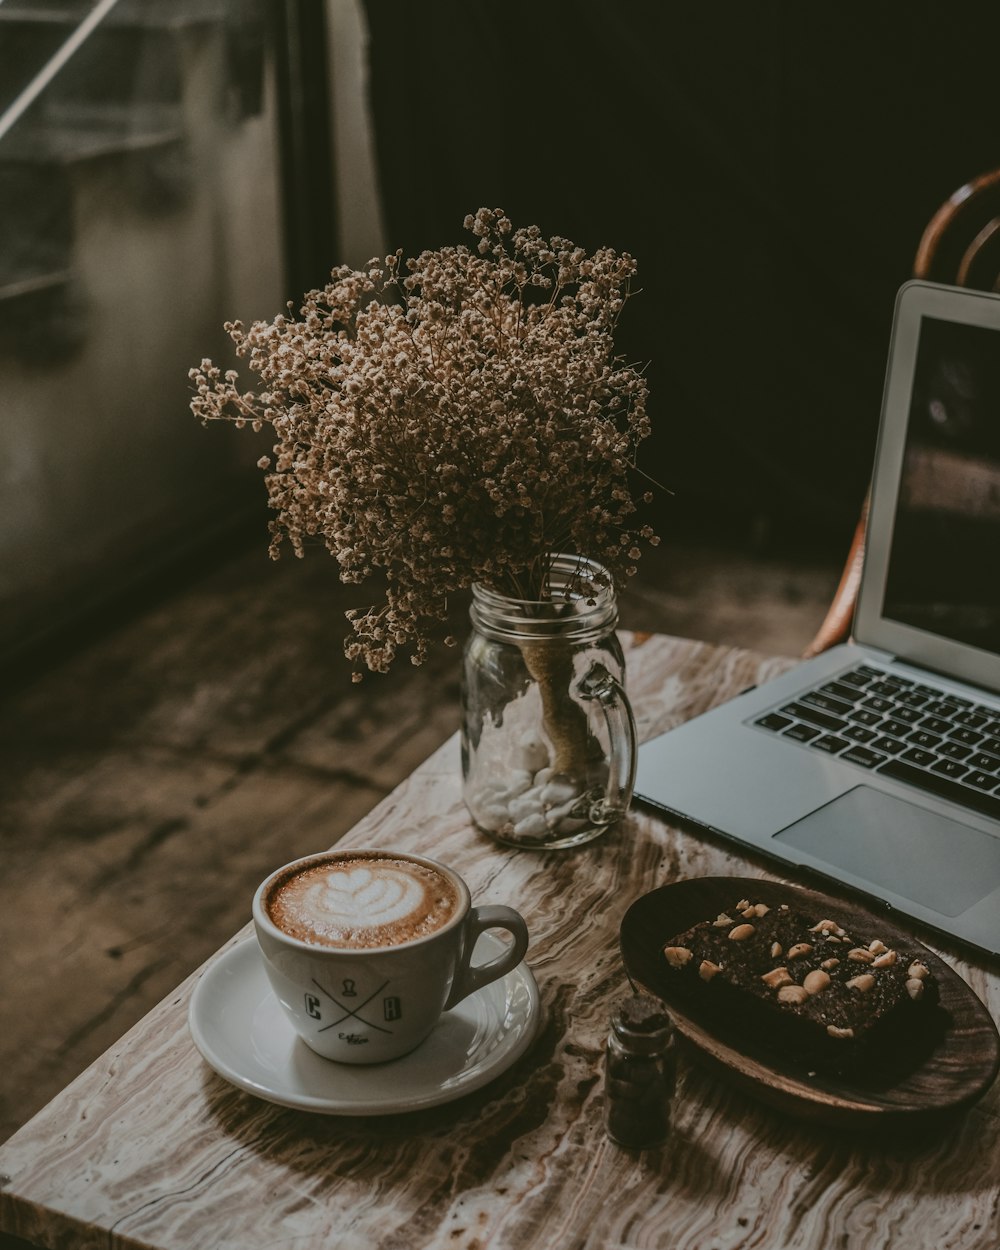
pixel 876 765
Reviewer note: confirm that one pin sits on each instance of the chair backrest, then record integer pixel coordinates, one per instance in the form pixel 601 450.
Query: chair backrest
pixel 960 246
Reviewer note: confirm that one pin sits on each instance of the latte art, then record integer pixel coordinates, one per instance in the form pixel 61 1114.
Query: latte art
pixel 362 902
pixel 360 896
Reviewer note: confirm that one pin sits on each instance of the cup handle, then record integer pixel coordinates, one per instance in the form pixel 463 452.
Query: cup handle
pixel 470 977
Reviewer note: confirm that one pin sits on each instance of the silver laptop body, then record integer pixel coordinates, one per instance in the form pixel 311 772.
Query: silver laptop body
pixel 877 765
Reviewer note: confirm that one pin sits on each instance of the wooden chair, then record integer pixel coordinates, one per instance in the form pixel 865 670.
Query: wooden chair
pixel 960 247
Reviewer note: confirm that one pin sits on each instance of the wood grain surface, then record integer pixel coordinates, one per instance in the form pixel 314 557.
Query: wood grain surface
pixel 150 1148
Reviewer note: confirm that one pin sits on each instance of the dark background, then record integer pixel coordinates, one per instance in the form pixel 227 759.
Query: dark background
pixel 770 165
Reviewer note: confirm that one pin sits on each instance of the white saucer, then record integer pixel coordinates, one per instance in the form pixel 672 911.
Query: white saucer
pixel 242 1032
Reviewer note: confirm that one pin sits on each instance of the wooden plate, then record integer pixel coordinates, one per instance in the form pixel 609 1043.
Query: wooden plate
pixel 955 1065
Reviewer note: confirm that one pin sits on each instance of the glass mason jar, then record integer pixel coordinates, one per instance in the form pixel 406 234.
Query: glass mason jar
pixel 548 736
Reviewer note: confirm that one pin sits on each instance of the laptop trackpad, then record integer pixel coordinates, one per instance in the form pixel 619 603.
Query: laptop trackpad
pixel 927 858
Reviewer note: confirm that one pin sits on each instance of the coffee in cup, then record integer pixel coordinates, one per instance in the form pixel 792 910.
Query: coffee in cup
pixel 361 901
pixel 365 949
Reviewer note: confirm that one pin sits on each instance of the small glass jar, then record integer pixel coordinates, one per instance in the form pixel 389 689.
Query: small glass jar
pixel 548 736
pixel 640 1074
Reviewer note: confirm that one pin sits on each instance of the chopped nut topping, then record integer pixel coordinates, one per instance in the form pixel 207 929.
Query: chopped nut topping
pixel 843 1034
pixel 915 988
pixel 877 947
pixel 722 920
pixel 707 970
pixel 775 950
pixel 862 983
pixel 777 977
pixel 677 956
pixel 816 981
pixel 741 933
pixel 792 994
pixel 860 955
pixel 824 926
pixel 744 902
pixel 798 950
pixel 885 960
pixel 761 909
pixel 829 963
pixel 917 970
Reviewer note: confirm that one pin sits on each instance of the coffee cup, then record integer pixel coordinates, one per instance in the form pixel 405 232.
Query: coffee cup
pixel 365 949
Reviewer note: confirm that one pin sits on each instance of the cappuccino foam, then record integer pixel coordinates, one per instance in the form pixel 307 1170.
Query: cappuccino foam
pixel 362 901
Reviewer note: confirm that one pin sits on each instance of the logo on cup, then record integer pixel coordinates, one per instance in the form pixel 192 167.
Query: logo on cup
pixel 391 1008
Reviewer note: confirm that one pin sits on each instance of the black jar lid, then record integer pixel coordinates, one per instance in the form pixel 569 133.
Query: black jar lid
pixel 642 1023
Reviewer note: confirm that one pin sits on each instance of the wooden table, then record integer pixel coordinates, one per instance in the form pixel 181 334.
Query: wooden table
pixel 150 1148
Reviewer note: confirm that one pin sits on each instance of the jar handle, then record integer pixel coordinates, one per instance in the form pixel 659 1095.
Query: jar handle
pixel 601 685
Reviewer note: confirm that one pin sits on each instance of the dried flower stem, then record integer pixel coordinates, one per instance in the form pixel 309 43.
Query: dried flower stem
pixel 565 722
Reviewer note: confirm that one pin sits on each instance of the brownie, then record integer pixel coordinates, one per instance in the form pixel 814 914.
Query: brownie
pixel 802 984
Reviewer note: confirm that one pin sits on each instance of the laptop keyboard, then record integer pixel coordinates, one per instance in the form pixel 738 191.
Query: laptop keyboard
pixel 904 729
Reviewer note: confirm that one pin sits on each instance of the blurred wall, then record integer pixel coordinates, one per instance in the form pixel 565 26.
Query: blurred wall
pixel 104 473
pixel 770 165
pixel 359 208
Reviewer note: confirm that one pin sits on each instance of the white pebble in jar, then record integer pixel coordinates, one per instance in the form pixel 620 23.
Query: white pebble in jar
pixel 533 826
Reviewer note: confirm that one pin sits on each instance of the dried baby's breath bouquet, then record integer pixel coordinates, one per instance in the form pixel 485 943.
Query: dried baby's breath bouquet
pixel 453 420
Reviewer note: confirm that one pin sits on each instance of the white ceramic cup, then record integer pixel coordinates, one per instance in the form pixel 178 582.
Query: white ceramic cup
pixel 379 1002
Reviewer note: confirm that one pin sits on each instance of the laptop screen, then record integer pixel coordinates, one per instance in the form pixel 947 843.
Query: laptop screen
pixel 930 588
pixel 943 573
